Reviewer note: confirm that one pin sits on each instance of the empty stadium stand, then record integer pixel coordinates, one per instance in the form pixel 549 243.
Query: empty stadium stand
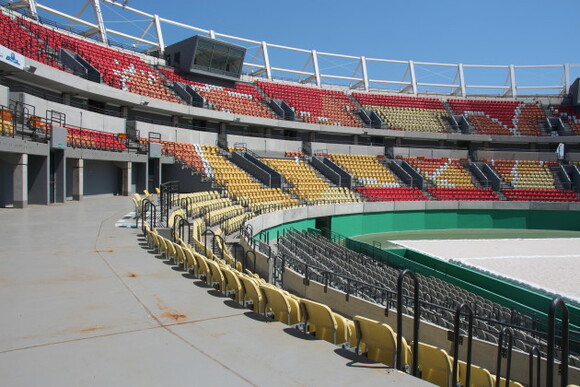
pixel 366 169
pixel 243 99
pixel 307 184
pixel 525 174
pixel 315 105
pixel 418 114
pixel 442 173
pixel 392 194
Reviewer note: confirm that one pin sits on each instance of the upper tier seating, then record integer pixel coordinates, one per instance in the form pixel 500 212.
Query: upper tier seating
pixel 525 174
pixel 366 169
pixel 498 116
pixel 407 113
pixel 528 117
pixel 315 105
pixel 441 172
pixel 308 185
pixel 243 99
pixel 391 194
pixel 501 117
pixel 92 139
pixel 569 115
pixel 118 69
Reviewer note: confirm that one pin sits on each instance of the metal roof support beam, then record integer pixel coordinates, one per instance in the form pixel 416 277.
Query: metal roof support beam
pixel 160 40
pixel 461 80
pixel 316 68
pixel 266 60
pixel 365 74
pixel 566 76
pixel 413 77
pixel 513 81
pixel 32 9
pixel 100 22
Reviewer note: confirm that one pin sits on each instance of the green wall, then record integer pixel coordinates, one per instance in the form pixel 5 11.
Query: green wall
pixel 361 224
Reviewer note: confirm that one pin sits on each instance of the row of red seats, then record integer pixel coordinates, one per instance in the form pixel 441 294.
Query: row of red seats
pixel 483 194
pixel 314 105
pixel 243 99
pixel 399 101
pixel 388 194
pixel 91 139
pixel 536 195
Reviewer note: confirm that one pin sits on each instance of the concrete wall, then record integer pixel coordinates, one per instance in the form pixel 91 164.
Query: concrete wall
pixel 171 133
pixel 75 116
pixel 348 149
pixel 511 155
pixel 263 145
pixel 429 152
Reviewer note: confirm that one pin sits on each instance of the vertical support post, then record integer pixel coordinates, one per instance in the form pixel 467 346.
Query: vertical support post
pixel 20 182
pixel 126 183
pixel 558 302
pixel 416 317
pixel 211 34
pixel 566 77
pixel 363 66
pixel 413 77
pixel 100 22
pixel 78 179
pixel 32 9
pixel 316 68
pixel 513 86
pixel 462 80
pixel 456 344
pixel 159 33
pixel 504 352
pixel 267 60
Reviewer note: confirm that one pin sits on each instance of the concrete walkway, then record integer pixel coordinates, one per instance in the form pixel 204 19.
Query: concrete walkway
pixel 84 303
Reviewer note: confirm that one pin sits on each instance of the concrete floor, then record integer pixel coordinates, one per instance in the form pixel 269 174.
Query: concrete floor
pixel 86 304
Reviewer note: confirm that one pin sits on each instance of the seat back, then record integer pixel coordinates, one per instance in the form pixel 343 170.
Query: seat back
pixel 233 283
pixel 435 365
pixel 276 302
pixel 320 320
pixel 377 339
pixel 252 292
pixel 480 377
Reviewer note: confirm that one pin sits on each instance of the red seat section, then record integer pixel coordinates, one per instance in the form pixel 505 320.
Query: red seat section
pixel 391 194
pixel 407 113
pixel 483 194
pixel 315 105
pixel 243 99
pixel 184 152
pixel 488 116
pixel 92 139
pixel 118 69
pixel 540 195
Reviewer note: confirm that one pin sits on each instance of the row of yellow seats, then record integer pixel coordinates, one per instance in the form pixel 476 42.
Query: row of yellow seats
pixel 371 338
pixel 196 196
pixel 218 216
pixel 234 224
pixel 210 205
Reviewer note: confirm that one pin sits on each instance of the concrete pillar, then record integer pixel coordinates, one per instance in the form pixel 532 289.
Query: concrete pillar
pixel 20 182
pixel 58 172
pixel 125 111
pixel 127 175
pixel 78 179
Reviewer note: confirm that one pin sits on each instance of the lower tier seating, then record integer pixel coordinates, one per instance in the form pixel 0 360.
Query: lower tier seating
pixel 391 194
pixel 540 195
pixel 463 193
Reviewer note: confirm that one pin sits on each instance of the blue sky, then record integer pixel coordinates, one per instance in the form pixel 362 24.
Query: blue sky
pixel 471 32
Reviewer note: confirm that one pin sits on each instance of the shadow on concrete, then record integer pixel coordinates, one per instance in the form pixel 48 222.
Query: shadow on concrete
pixel 358 361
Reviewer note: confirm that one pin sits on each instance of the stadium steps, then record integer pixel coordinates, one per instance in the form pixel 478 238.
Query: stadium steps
pixel 386 163
pixel 450 113
pixel 555 170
